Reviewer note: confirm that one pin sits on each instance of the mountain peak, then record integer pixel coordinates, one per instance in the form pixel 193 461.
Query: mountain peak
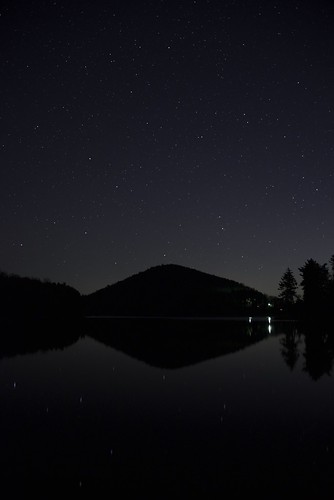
pixel 174 290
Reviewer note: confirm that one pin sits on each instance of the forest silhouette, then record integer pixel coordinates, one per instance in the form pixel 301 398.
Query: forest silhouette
pixel 317 292
pixel 26 298
pixel 171 290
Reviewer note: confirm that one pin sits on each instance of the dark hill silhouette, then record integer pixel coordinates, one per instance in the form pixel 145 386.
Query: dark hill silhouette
pixel 173 290
pixel 32 298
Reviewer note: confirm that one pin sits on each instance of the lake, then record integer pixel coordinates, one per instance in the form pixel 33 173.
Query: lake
pixel 172 408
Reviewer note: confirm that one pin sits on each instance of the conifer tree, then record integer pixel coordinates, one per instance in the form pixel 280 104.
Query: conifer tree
pixel 331 262
pixel 315 284
pixel 288 288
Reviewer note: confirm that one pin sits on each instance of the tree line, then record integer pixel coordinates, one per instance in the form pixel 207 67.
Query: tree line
pixel 23 298
pixel 317 290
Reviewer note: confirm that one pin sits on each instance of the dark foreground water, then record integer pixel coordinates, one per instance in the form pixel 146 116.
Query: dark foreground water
pixel 169 408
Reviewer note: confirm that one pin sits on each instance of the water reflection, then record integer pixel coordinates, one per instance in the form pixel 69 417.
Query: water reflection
pixel 290 343
pixel 315 346
pixel 240 424
pixel 177 343
pixel 318 354
pixel 26 337
pixel 162 343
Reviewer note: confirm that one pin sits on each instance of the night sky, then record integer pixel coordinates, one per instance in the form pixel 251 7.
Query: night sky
pixel 136 133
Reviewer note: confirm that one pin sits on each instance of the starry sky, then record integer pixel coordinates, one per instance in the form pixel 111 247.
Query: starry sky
pixel 136 133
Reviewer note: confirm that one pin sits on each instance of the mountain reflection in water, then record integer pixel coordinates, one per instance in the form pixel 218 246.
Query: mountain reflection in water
pixel 176 343
pixel 173 342
pixel 170 408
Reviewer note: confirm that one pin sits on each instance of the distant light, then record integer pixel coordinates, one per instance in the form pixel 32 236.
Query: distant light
pixel 250 319
pixel 270 328
pixel 269 319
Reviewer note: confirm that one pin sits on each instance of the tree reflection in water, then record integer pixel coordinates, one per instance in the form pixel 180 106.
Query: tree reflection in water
pixel 318 354
pixel 315 344
pixel 290 343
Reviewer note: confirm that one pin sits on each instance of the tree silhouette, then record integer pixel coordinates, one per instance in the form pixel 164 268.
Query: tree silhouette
pixel 331 283
pixel 287 288
pixel 331 262
pixel 315 283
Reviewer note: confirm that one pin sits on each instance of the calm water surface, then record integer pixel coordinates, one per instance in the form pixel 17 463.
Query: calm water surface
pixel 251 416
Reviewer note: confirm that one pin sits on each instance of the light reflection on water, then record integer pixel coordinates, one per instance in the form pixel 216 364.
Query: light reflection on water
pixel 254 418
